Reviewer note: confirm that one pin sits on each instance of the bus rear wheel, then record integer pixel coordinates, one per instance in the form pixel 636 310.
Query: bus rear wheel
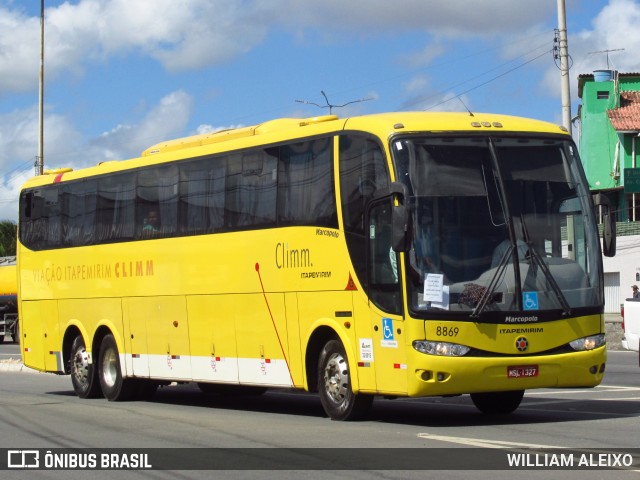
pixel 497 403
pixel 83 373
pixel 334 385
pixel 114 386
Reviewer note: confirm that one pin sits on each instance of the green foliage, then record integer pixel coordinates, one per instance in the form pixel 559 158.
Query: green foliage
pixel 8 236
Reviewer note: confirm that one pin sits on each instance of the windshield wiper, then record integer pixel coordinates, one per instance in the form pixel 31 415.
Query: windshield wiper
pixel 536 259
pixel 511 250
pixel 493 283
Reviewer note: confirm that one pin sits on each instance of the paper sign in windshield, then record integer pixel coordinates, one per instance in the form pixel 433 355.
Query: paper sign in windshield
pixel 433 287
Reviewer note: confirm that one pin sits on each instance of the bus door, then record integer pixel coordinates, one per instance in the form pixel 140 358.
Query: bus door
pixel 385 302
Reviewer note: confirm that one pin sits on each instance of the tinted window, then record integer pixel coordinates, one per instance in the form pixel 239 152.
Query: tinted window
pixel 305 184
pixel 288 184
pixel 362 172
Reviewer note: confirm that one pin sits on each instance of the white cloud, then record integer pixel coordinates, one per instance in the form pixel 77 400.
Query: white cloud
pixel 65 147
pixel 19 51
pixel 166 120
pixel 615 27
pixel 180 34
pixel 452 17
pixel 19 139
pixel 190 34
pixel 424 56
pixel 206 128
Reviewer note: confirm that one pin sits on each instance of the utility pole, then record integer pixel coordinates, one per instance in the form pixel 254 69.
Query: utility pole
pixel 40 157
pixel 564 65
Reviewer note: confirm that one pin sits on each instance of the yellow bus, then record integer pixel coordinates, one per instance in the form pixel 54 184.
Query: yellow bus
pixel 398 254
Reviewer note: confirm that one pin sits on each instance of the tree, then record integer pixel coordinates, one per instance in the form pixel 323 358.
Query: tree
pixel 8 237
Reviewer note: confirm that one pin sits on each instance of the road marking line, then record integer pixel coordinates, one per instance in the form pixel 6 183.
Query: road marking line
pixel 599 389
pixel 486 443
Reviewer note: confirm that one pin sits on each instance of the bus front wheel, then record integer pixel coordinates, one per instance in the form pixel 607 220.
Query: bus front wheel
pixel 83 373
pixel 498 403
pixel 334 385
pixel 114 386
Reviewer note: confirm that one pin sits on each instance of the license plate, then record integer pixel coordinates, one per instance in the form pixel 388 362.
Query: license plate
pixel 522 372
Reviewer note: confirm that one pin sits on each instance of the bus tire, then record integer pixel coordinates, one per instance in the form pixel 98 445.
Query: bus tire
pixel 334 385
pixel 83 373
pixel 114 386
pixel 497 403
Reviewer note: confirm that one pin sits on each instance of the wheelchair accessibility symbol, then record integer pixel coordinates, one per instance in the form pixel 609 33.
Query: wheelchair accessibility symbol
pixel 530 300
pixel 387 328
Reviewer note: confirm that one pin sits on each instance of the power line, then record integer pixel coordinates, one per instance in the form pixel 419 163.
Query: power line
pixel 490 80
pixel 18 170
pixel 498 67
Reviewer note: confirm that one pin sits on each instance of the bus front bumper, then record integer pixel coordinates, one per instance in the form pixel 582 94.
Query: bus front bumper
pixel 435 375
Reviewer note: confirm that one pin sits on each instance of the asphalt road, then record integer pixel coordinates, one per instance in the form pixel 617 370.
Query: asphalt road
pixel 41 411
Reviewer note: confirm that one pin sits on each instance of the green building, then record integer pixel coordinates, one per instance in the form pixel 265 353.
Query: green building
pixel 609 145
pixel 609 127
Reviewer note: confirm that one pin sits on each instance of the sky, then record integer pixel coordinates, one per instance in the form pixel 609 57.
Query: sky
pixel 122 75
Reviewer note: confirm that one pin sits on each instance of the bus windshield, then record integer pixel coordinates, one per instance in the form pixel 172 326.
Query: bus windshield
pixel 499 225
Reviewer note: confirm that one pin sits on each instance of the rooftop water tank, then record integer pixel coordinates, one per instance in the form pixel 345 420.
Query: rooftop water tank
pixel 602 75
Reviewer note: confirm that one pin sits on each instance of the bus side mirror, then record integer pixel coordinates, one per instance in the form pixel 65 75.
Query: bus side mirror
pixel 608 225
pixel 400 228
pixel 609 235
pixel 400 238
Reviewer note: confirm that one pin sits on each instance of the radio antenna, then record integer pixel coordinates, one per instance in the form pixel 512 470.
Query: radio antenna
pixel 465 106
pixel 607 52
pixel 331 106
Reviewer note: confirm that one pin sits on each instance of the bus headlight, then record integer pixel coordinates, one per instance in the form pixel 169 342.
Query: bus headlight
pixel 588 343
pixel 440 348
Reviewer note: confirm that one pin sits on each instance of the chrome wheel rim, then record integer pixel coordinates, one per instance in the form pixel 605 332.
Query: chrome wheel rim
pixel 109 367
pixel 81 366
pixel 336 378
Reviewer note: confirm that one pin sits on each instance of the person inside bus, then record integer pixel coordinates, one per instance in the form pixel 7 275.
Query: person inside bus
pixel 502 248
pixel 636 293
pixel 151 224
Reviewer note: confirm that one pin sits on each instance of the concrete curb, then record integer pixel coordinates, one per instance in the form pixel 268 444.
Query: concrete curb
pixel 15 366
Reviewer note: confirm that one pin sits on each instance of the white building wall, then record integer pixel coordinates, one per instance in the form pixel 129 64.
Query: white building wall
pixel 627 264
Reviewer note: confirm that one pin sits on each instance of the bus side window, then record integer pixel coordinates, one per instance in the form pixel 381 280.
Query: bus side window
pixel 116 208
pixel 79 213
pixel 33 220
pixel 306 194
pixel 157 202
pixel 251 190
